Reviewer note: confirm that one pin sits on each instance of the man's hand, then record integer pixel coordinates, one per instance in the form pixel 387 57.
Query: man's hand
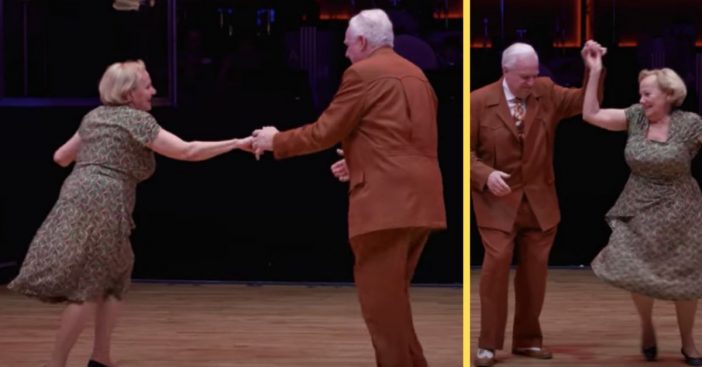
pixel 263 140
pixel 592 54
pixel 339 168
pixel 497 185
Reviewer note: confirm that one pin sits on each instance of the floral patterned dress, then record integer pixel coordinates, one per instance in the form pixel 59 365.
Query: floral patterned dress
pixel 656 243
pixel 82 251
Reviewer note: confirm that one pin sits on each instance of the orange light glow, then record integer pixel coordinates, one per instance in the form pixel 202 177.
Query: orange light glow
pixel 576 38
pixel 347 16
pixel 450 15
pixel 567 44
pixel 633 43
pixel 589 16
pixel 627 43
pixel 579 23
pixel 481 44
pixel 574 35
pixel 334 16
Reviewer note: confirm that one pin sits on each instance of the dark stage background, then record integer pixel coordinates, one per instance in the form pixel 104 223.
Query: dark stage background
pixel 238 65
pixel 589 162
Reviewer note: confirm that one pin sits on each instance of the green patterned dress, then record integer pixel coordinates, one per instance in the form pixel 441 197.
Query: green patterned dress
pixel 656 243
pixel 82 251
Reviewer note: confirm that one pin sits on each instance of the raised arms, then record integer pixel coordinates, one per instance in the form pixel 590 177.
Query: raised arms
pixel 607 118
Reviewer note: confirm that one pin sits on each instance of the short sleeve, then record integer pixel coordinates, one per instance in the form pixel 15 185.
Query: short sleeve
pixel 634 116
pixel 144 128
pixel 696 128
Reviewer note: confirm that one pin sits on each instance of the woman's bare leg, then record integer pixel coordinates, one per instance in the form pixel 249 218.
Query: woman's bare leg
pixel 73 321
pixel 106 315
pixel 686 311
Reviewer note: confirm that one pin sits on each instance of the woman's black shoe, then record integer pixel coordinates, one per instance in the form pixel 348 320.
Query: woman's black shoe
pixel 92 363
pixel 650 353
pixel 691 361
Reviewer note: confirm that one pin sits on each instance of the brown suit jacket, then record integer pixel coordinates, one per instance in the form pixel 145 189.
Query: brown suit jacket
pixel 384 115
pixel 495 145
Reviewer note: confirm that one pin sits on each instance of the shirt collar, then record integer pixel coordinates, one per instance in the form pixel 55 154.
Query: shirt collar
pixel 509 96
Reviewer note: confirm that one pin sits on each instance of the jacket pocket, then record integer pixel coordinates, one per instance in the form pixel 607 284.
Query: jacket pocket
pixel 356 181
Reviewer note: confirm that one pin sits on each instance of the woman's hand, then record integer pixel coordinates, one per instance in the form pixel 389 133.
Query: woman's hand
pixel 245 144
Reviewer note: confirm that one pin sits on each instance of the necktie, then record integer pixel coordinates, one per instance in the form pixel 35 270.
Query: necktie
pixel 518 112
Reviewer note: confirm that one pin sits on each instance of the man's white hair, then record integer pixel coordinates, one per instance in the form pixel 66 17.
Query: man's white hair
pixel 373 25
pixel 514 52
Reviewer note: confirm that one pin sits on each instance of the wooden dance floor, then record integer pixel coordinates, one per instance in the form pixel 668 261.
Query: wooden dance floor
pixel 233 325
pixel 588 323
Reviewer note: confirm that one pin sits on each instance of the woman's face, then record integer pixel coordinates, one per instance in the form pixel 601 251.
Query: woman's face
pixel 655 102
pixel 140 97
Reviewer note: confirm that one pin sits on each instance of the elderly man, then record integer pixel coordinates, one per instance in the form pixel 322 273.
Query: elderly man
pixel 384 115
pixel 512 126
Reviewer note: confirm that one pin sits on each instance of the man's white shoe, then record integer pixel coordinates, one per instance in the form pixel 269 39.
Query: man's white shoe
pixel 485 353
pixel 484 358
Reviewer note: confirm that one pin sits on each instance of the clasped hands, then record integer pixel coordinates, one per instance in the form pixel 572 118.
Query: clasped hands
pixel 261 140
pixel 592 54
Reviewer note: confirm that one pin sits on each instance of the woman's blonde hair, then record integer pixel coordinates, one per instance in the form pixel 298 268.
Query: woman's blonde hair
pixel 669 82
pixel 118 80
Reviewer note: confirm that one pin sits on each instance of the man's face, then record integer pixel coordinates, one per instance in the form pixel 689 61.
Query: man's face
pixel 520 77
pixel 356 47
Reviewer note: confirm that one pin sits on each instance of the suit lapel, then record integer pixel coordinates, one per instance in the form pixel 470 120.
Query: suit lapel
pixel 496 99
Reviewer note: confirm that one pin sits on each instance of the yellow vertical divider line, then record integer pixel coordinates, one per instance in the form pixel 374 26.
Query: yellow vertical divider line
pixel 466 183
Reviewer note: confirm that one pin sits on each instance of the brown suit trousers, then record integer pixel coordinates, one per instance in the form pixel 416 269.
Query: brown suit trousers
pixel 533 246
pixel 385 264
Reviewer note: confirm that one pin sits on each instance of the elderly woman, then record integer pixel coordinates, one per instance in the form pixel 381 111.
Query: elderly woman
pixel 654 249
pixel 81 254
